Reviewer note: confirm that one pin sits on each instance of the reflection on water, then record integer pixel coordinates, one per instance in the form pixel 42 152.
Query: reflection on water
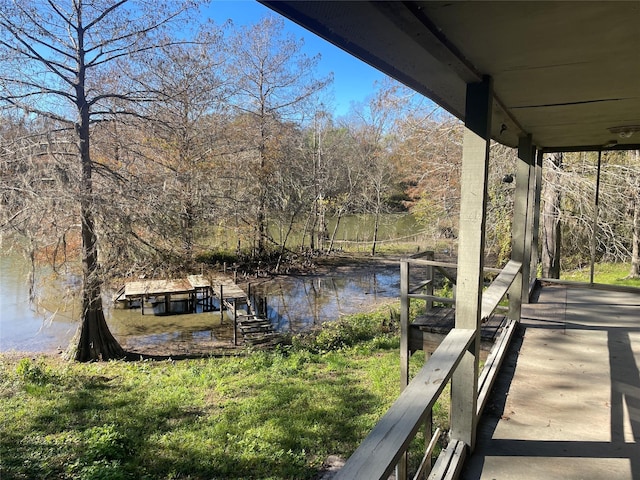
pixel 296 303
pixel 293 304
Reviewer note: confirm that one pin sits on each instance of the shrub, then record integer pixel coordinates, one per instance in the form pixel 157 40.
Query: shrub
pixel 34 373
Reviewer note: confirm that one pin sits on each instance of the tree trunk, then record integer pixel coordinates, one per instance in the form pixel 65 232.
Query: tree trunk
pixel 376 226
pixel 94 340
pixel 551 235
pixel 335 231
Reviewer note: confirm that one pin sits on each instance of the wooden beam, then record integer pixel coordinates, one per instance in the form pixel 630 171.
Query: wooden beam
pixel 432 298
pixel 536 218
pixel 469 281
pixel 378 454
pixel 528 235
pixel 405 304
pixel 519 224
pixel 450 461
pixel 491 296
pixel 493 363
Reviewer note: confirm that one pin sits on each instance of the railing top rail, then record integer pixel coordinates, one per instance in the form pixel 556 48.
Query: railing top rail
pixel 426 253
pixel 498 288
pixel 435 263
pixel 378 454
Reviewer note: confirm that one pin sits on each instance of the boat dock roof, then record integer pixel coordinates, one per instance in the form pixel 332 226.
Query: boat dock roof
pixel 141 288
pixel 190 284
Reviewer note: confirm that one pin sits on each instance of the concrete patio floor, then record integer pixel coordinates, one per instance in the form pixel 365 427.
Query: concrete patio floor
pixel 567 402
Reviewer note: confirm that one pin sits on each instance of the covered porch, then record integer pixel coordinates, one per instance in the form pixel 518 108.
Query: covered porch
pixel 541 77
pixel 566 404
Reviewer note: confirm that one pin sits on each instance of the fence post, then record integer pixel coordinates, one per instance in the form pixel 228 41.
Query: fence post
pixel 405 304
pixel 430 255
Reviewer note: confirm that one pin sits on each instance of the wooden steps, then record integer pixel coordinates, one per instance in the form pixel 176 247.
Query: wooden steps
pixel 256 330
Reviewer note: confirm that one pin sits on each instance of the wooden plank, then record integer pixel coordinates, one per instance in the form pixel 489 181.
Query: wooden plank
pixel 405 304
pixel 425 464
pixel 198 281
pixel 378 454
pixel 491 296
pixel 433 298
pixel 157 287
pixel 231 289
pixel 457 461
pixel 452 278
pixel 449 462
pixel 421 285
pixel 433 263
pixel 442 320
pixel 493 364
pixel 426 253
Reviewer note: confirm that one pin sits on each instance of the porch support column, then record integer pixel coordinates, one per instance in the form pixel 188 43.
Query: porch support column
pixel 520 247
pixel 473 206
pixel 535 242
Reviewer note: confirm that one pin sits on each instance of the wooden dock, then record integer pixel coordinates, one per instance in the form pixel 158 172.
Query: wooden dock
pixel 165 293
pixel 194 290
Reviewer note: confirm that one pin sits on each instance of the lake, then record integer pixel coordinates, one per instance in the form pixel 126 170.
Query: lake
pixel 293 304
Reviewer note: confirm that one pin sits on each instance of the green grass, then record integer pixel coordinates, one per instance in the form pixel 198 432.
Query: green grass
pixel 606 273
pixel 275 414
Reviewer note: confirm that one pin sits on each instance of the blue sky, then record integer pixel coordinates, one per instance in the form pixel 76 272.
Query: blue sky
pixel 353 79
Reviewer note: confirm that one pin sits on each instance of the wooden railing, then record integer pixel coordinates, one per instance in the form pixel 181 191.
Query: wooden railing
pixel 387 444
pixel 378 454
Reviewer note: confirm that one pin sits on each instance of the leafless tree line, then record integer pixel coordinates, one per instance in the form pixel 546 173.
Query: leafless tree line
pixel 133 143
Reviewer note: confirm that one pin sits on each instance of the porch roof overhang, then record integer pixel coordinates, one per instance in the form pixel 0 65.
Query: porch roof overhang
pixel 565 72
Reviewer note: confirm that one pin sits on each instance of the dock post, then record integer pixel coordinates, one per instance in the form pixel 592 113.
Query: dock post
pixel 221 306
pixel 235 325
pixel 235 311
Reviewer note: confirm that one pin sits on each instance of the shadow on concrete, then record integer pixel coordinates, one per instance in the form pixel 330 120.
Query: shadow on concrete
pixel 625 390
pixel 624 395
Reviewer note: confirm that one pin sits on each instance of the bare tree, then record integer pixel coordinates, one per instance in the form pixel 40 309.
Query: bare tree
pixel 53 58
pixel 428 156
pixel 275 81
pixel 182 134
pixel 373 126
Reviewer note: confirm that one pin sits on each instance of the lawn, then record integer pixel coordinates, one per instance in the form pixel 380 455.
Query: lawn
pixel 263 414
pixel 607 273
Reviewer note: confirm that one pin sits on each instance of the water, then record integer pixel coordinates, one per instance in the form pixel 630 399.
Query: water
pixel 297 303
pixel 293 304
pixel 38 326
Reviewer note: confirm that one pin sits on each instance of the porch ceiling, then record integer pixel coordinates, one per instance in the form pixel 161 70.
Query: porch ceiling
pixel 565 72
